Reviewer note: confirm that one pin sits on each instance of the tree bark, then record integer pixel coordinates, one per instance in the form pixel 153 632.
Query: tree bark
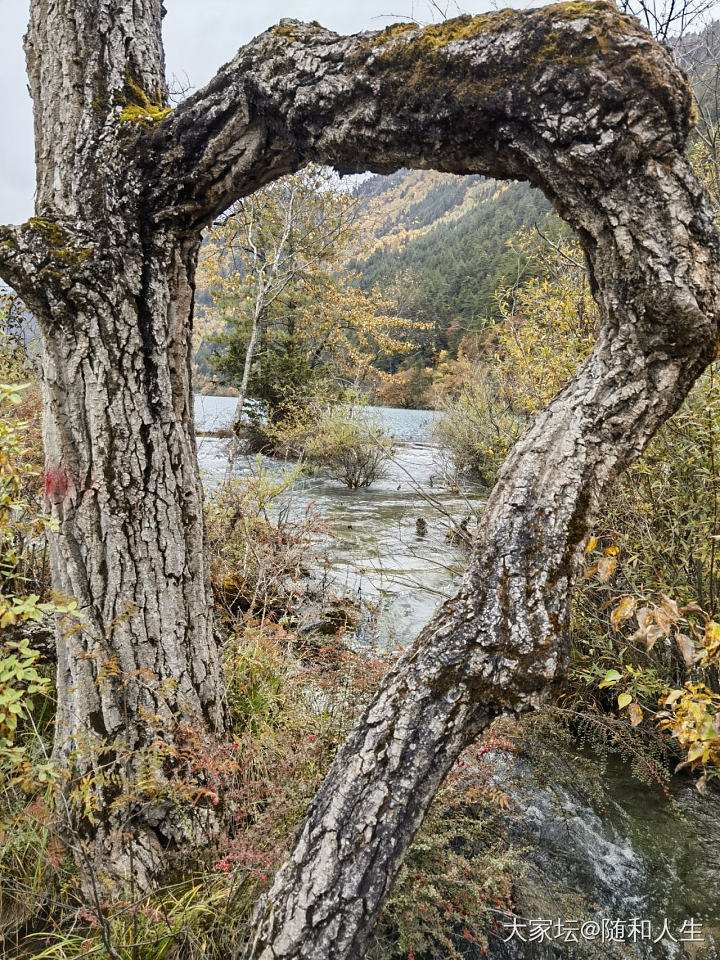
pixel 113 297
pixel 575 98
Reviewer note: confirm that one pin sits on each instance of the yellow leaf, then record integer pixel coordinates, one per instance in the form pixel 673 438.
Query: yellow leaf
pixel 612 551
pixel 670 607
pixel 624 699
pixel 670 698
pixel 711 640
pixel 591 544
pixel 663 620
pixel 652 635
pixel 644 617
pixel 623 611
pixel 697 752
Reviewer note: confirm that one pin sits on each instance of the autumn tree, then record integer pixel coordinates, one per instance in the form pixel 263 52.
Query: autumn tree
pixel 263 253
pixel 576 98
pixel 272 267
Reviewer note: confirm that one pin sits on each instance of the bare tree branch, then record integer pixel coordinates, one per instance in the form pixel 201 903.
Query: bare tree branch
pixel 667 19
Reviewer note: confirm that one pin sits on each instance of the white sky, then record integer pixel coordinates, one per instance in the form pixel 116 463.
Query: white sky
pixel 200 35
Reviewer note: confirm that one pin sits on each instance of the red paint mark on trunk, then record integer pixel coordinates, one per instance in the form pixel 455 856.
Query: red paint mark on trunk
pixel 58 484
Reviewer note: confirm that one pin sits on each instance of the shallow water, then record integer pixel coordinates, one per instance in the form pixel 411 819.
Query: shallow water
pixel 374 552
pixel 630 853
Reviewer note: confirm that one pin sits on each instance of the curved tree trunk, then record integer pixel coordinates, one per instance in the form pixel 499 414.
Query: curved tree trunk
pixel 575 98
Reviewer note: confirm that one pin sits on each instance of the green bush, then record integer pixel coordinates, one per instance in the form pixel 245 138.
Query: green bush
pixel 478 427
pixel 342 440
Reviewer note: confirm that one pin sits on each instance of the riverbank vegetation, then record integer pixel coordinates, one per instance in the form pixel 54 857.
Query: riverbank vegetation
pixel 344 441
pixel 645 634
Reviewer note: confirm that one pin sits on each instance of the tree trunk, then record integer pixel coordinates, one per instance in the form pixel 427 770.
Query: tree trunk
pixel 234 443
pixel 143 668
pixel 139 674
pixel 575 98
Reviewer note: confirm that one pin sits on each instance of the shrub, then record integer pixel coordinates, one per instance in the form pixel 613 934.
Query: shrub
pixel 15 362
pixel 23 576
pixel 258 555
pixel 352 448
pixel 24 567
pixel 26 704
pixel 478 426
pixel 545 326
pixel 288 714
pixel 342 440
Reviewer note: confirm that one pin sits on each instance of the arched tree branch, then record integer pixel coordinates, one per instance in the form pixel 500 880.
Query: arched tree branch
pixel 577 99
pixel 503 94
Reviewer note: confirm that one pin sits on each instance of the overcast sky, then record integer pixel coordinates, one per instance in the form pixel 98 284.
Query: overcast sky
pixel 200 35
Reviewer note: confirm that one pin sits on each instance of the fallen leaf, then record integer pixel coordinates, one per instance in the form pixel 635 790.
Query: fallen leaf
pixel 686 648
pixel 669 699
pixel 606 568
pixel 623 611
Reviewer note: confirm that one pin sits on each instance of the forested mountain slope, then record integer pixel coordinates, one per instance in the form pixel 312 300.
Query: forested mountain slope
pixel 440 243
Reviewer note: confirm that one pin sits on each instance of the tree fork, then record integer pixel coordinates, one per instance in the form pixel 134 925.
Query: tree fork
pixel 577 99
